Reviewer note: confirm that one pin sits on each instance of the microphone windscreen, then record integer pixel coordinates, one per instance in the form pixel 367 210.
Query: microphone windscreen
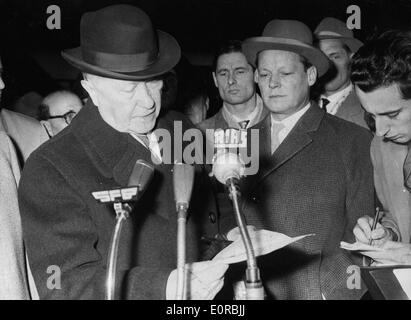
pixel 227 165
pixel 183 180
pixel 141 175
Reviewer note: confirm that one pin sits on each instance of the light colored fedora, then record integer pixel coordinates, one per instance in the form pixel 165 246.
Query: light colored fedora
pixel 332 28
pixel 287 35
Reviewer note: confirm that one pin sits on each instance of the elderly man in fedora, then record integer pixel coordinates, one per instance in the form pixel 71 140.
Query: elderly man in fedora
pixel 122 58
pixel 337 42
pixel 315 173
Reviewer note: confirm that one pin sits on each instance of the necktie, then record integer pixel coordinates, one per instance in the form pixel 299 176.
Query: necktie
pixel 145 141
pixel 325 103
pixel 275 133
pixel 407 171
pixel 244 124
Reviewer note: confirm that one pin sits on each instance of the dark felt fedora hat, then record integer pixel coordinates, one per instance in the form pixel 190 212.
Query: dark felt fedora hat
pixel 332 28
pixel 120 42
pixel 287 35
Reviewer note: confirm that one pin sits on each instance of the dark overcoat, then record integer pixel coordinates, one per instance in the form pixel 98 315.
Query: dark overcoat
pixel 64 227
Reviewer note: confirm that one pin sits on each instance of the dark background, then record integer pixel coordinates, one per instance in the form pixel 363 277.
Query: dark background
pixel 30 51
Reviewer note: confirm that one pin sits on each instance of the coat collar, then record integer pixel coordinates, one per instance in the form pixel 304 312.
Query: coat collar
pixel 350 108
pixel 112 152
pixel 298 138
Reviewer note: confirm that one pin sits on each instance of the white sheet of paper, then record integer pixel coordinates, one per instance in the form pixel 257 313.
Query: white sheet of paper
pixel 264 242
pixel 404 278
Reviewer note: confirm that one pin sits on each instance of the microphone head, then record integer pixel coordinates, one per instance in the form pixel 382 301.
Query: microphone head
pixel 183 180
pixel 141 175
pixel 227 165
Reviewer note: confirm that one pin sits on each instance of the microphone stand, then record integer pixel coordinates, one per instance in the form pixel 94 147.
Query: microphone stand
pixel 123 211
pixel 183 179
pixel 254 286
pixel 181 251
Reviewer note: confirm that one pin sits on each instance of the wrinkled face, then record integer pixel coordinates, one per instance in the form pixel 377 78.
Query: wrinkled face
pixel 234 78
pixel 2 85
pixel 283 82
pixel 392 114
pixel 335 51
pixel 127 106
pixel 59 105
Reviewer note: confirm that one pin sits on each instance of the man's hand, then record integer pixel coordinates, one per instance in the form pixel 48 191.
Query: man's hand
pixel 203 280
pixel 399 253
pixel 363 233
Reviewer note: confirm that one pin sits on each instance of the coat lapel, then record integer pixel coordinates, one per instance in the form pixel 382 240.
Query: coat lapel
pixel 299 137
pixel 350 108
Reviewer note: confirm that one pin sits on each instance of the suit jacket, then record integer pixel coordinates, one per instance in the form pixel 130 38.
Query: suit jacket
pixel 351 110
pixel 64 226
pixel 319 181
pixel 388 160
pixel 13 276
pixel 26 133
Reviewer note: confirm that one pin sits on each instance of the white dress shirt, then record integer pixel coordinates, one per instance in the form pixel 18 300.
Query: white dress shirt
pixel 253 117
pixel 289 122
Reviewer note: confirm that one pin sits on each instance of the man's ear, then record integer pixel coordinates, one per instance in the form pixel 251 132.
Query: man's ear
pixel 88 86
pixel 256 76
pixel 47 126
pixel 215 79
pixel 311 75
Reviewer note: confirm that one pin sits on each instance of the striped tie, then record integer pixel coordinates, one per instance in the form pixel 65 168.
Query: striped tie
pixel 275 136
pixel 244 124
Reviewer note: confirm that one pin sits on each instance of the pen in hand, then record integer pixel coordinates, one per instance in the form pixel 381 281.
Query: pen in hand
pixel 374 225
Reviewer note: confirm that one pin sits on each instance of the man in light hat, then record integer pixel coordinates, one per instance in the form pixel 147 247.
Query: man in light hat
pixel 315 173
pixel 337 42
pixel 122 58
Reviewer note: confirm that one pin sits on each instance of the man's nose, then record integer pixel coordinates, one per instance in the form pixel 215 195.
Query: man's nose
pixel 231 79
pixel 144 96
pixel 381 127
pixel 2 85
pixel 274 82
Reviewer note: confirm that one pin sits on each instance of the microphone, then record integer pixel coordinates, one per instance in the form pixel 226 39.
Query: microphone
pixel 228 168
pixel 183 181
pixel 122 198
pixel 140 178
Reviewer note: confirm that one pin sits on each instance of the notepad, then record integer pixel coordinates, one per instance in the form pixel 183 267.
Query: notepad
pixel 404 278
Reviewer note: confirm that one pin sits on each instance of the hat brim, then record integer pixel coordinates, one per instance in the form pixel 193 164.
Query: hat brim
pixel 169 55
pixel 352 43
pixel 253 46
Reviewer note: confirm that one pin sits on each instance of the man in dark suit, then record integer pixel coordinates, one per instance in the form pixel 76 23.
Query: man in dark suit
pixel 63 224
pixel 337 42
pixel 315 173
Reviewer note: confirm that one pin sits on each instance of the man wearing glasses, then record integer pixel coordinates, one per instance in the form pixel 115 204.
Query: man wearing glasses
pixel 57 110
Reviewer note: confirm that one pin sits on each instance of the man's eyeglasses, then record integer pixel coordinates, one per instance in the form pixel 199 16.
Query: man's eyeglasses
pixel 68 117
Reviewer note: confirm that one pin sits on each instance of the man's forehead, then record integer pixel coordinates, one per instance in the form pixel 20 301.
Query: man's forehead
pixel 328 45
pixel 383 99
pixel 278 57
pixel 232 59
